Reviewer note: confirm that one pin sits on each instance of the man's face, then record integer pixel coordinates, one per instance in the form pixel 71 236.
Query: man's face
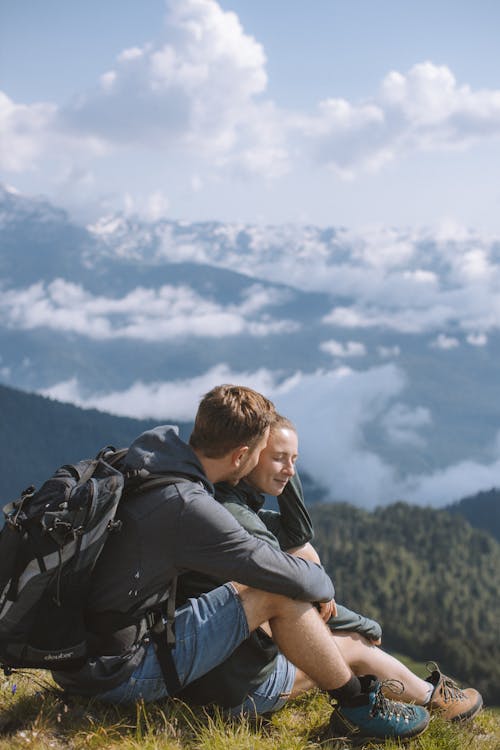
pixel 249 460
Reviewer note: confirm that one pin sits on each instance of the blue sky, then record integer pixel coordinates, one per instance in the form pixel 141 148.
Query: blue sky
pixel 334 113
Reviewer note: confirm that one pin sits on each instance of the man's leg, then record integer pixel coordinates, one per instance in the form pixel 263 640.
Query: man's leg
pixel 300 633
pixel 362 712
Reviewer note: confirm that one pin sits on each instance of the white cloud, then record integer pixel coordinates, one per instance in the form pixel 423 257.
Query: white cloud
pixel 445 342
pixel 197 94
pixel 193 89
pixel 343 349
pixel 424 109
pixel 405 321
pixel 23 132
pixel 452 483
pixel 332 411
pixel 175 400
pixel 143 314
pixel 477 339
pixel 409 282
pixel 388 352
pixel 333 448
pixel 401 424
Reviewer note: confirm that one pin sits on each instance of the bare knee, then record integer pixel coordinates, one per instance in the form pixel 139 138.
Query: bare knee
pixel 261 606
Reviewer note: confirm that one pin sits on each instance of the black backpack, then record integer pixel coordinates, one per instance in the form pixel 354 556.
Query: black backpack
pixel 49 545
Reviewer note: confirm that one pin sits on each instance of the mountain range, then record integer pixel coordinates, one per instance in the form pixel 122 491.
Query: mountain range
pixel 382 347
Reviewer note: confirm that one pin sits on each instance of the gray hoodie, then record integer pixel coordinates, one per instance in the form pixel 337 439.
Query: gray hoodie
pixel 172 529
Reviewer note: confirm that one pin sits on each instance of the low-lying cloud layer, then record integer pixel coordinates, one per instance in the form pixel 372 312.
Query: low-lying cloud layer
pixel 332 411
pixel 404 281
pixel 145 314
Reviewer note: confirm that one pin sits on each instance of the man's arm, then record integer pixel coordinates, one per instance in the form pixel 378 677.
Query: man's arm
pixel 211 541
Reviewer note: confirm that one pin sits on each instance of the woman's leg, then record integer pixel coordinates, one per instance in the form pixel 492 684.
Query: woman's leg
pixel 364 658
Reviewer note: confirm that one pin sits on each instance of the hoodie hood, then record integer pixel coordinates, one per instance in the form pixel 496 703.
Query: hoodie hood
pixel 161 451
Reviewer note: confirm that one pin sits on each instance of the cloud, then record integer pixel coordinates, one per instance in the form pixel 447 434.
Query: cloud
pixel 23 129
pixel 332 449
pixel 197 88
pixel 143 314
pixel 174 400
pixel 401 424
pixel 409 282
pixel 477 339
pixel 195 98
pixel 332 411
pixel 424 109
pixel 343 349
pixel 452 483
pixel 445 342
pixel 388 352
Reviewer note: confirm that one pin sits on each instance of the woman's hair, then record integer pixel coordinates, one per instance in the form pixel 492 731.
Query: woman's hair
pixel 229 416
pixel 281 422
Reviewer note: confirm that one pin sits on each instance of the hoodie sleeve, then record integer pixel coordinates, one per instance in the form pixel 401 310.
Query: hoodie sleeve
pixel 346 619
pixel 211 541
pixel 292 526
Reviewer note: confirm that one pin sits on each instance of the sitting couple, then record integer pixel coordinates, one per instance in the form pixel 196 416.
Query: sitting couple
pixel 171 529
pixel 257 678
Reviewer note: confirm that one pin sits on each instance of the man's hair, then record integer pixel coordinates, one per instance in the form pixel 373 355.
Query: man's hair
pixel 282 423
pixel 229 416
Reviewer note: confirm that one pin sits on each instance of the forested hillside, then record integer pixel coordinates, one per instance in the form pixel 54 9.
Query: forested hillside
pixel 481 510
pixel 430 578
pixel 37 435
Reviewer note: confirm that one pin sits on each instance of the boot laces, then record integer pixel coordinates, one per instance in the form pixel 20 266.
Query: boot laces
pixel 388 708
pixel 449 689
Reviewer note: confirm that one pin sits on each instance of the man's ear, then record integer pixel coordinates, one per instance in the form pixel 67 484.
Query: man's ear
pixel 239 456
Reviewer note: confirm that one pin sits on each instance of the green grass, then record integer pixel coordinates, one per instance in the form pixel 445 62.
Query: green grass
pixel 33 715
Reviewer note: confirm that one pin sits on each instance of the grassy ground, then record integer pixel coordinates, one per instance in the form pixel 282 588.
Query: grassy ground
pixel 32 715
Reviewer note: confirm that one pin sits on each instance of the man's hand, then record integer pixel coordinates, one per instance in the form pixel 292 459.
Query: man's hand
pixel 327 609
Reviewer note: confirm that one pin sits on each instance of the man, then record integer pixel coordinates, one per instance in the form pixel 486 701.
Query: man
pixel 180 527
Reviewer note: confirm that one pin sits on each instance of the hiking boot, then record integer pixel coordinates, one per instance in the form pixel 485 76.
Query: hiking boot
pixel 374 717
pixel 448 700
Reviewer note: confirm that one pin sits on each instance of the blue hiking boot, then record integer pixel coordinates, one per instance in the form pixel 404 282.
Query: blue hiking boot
pixel 374 717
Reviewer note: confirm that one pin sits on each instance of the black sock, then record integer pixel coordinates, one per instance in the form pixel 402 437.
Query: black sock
pixel 347 694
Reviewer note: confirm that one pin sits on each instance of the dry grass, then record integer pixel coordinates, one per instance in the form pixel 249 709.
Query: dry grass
pixel 33 715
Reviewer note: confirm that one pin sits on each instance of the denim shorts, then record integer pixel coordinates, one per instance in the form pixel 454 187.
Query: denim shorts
pixel 272 694
pixel 207 630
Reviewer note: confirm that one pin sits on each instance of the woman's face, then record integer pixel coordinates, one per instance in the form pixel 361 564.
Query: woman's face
pixel 276 463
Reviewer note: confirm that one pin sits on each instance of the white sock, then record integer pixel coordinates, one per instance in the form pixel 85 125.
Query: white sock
pixel 430 691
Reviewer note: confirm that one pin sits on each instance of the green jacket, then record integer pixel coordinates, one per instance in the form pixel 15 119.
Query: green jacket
pixel 253 661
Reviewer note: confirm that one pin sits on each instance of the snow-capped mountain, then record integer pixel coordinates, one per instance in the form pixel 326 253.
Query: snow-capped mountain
pixel 381 346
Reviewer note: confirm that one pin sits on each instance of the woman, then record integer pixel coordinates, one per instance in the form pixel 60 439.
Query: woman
pixel 257 678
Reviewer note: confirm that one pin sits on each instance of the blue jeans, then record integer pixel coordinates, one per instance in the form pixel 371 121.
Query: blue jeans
pixel 272 694
pixel 207 630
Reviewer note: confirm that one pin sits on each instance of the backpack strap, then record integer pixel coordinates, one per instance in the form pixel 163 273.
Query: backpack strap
pixel 161 627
